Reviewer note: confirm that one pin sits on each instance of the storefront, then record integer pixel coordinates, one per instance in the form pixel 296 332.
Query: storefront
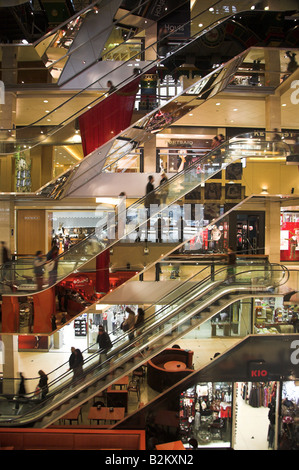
pixel 289 236
pixel 272 316
pixel 205 414
pixel 241 415
pixel 255 411
pixel 81 333
pixel 289 416
pixel 67 227
pixel 255 408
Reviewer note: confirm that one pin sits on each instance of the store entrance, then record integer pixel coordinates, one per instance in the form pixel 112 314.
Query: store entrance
pixel 247 232
pixel 255 415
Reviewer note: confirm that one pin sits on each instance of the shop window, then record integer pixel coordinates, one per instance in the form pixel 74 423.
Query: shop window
pixel 271 316
pixel 289 236
pixel 288 432
pixel 205 414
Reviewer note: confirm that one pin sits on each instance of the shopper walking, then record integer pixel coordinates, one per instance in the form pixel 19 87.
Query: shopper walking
pixel 231 262
pixel 129 324
pixel 76 363
pixel 43 383
pixel 104 343
pixel 139 321
pixel 140 318
pixel 22 389
pixel 149 194
pixel 164 189
pixel 38 266
pixel 52 257
pixel 5 259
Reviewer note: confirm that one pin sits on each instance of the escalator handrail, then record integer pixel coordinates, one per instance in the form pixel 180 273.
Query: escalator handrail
pixel 156 191
pixel 71 173
pixel 149 319
pixel 114 23
pixel 157 61
pixel 96 367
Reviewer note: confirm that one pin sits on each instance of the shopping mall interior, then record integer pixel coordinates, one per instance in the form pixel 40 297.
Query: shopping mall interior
pixel 149 207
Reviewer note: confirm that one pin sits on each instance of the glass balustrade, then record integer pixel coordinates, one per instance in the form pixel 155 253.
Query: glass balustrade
pixel 183 310
pixel 54 119
pixel 112 155
pixel 123 221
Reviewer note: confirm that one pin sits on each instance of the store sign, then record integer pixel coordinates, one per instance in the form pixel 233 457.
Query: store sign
pixel 259 373
pixel 295 94
pixel 80 281
pixel 295 352
pixel 257 370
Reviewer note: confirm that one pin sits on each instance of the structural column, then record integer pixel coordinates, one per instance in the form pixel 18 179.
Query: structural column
pixel 150 54
pixel 150 156
pixel 10 363
pixel 272 79
pixel 272 231
pixel 8 114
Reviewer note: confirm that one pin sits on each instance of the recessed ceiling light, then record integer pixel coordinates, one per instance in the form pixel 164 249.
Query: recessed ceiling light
pixel 284 104
pixel 218 104
pixel 46 101
pixel 235 109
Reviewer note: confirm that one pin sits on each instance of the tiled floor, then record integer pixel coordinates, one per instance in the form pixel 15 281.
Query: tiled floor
pixel 252 427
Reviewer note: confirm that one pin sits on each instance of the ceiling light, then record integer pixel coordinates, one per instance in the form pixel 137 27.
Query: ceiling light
pixel 218 104
pixel 76 138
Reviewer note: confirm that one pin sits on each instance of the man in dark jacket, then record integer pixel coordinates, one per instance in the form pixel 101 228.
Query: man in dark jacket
pixel 5 261
pixel 76 362
pixel 104 342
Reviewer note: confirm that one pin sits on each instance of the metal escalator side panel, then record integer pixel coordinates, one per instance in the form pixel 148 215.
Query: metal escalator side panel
pixel 156 334
pixel 85 52
pixel 148 126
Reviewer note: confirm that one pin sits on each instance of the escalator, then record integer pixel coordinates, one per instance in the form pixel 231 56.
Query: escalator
pixel 32 135
pixel 71 52
pixel 105 154
pixel 245 362
pixel 178 186
pixel 116 226
pixel 54 122
pixel 196 300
